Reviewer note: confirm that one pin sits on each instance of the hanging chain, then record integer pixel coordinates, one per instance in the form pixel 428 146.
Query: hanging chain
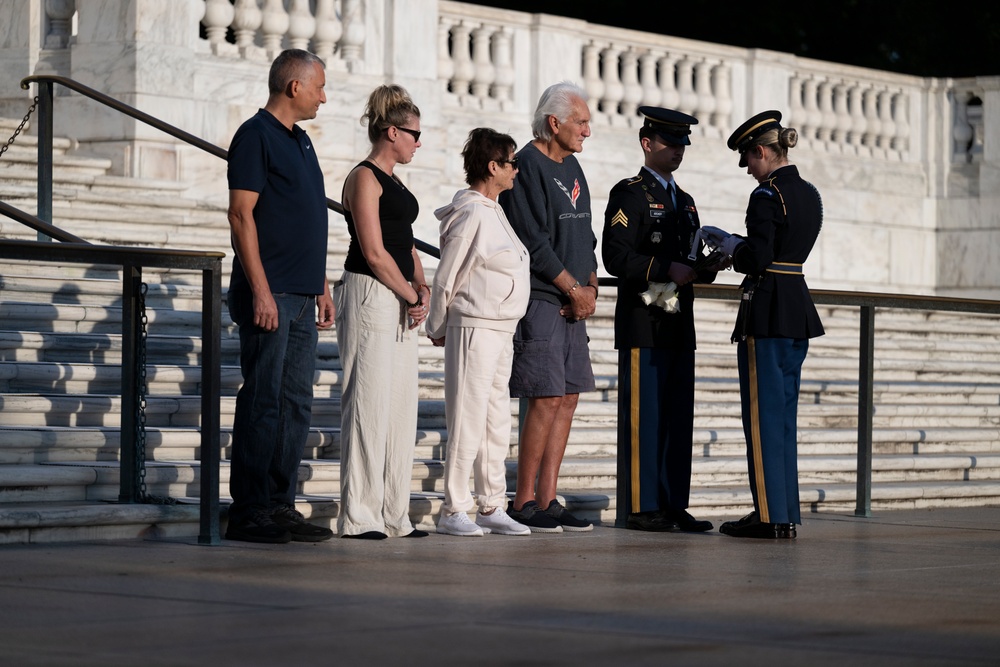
pixel 140 435
pixel 3 149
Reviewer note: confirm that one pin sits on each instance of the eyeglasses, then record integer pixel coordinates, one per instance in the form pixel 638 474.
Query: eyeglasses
pixel 512 162
pixel 413 133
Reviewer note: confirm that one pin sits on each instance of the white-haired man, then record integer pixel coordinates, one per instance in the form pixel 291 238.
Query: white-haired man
pixel 549 208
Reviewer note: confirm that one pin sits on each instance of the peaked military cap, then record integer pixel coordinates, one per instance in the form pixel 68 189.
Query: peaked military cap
pixel 671 126
pixel 747 134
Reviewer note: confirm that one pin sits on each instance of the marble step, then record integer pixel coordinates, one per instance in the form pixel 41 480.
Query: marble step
pixel 319 478
pixel 64 444
pixel 99 372
pixel 53 522
pixel 184 411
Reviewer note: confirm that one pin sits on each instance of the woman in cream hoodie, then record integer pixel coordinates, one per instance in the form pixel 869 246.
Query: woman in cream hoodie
pixel 480 292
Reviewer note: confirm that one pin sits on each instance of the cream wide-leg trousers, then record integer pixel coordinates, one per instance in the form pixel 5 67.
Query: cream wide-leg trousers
pixel 378 407
pixel 477 408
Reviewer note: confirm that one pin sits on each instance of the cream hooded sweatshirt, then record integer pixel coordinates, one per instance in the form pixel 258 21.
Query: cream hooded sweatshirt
pixel 483 278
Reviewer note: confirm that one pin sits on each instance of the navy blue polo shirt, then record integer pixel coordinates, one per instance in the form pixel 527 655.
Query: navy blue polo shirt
pixel 291 214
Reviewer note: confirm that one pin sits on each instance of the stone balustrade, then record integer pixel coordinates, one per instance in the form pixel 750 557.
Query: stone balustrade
pixel 909 166
pixel 836 109
pixel 332 29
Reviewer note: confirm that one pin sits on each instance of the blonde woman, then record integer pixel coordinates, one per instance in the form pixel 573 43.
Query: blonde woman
pixel 381 301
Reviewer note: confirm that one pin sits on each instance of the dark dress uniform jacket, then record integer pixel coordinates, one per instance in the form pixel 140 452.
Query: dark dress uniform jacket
pixel 643 234
pixel 784 217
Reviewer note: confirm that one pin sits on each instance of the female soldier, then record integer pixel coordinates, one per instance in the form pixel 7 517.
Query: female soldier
pixel 776 319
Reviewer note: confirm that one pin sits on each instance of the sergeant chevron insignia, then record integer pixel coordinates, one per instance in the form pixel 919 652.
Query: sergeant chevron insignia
pixel 619 219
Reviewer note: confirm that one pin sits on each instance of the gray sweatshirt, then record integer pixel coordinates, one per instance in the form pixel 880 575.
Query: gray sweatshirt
pixel 549 208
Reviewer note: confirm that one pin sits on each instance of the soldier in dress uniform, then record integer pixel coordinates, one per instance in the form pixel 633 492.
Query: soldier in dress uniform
pixel 649 228
pixel 775 321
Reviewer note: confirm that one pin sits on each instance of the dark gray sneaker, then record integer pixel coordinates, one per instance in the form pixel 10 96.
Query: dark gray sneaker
pixel 532 516
pixel 567 520
pixel 301 530
pixel 258 527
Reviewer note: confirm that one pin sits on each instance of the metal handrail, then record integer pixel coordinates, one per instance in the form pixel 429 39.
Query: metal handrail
pixel 45 82
pixel 867 302
pixel 132 260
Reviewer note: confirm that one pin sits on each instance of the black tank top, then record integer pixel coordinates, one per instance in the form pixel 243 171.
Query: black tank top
pixel 397 209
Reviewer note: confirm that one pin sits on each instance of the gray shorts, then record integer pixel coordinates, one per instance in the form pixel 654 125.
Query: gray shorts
pixel 551 354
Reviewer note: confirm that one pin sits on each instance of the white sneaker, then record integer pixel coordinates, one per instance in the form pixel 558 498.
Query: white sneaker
pixel 458 524
pixel 498 522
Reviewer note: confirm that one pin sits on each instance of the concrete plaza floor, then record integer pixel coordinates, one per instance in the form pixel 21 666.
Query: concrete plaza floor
pixel 917 587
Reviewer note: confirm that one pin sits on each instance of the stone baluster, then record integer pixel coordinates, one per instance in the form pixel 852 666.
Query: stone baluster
pixel 842 122
pixel 961 131
pixel 828 118
pixel 856 109
pixel 301 25
pixel 975 114
pixel 796 111
pixel 503 63
pixel 632 90
pixel 901 140
pixel 483 72
pixel 446 68
pixel 60 15
pixel 592 75
pixel 812 117
pixel 218 15
pixel 723 95
pixel 353 40
pixel 464 69
pixel 703 90
pixel 245 23
pixel 647 79
pixel 669 97
pixel 613 88
pixel 888 126
pixel 273 26
pixel 328 30
pixel 872 124
pixel 688 99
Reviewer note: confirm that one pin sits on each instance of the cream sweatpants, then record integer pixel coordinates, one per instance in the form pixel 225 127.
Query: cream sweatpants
pixel 378 407
pixel 477 366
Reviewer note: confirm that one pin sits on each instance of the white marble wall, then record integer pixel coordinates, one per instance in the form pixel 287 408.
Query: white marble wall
pixel 909 168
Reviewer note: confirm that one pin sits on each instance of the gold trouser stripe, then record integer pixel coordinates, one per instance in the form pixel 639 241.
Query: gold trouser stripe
pixel 634 428
pixel 758 461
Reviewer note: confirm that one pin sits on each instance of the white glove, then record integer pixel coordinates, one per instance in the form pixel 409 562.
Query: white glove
pixel 721 240
pixel 714 237
pixel 730 245
pixel 663 295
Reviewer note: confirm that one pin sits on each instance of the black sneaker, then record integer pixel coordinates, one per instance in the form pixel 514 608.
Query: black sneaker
pixel 292 520
pixel 567 520
pixel 532 516
pixel 258 527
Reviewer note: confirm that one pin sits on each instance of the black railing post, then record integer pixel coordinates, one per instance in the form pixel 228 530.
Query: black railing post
pixel 44 123
pixel 211 326
pixel 131 282
pixel 866 409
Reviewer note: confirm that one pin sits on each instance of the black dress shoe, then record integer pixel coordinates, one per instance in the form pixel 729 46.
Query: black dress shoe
pixel 653 521
pixel 752 526
pixel 688 523
pixel 785 531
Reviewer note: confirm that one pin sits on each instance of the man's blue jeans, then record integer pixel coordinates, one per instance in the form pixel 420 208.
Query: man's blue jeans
pixel 274 406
